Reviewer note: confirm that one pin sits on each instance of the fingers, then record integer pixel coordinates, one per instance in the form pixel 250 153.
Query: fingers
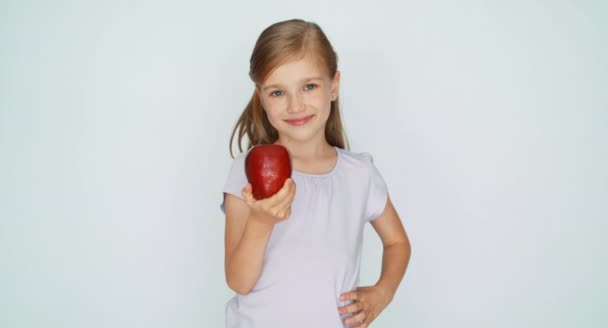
pixel 284 194
pixel 284 213
pixel 350 296
pixel 288 189
pixel 247 194
pixel 281 201
pixel 287 199
pixel 359 318
pixel 278 205
pixel 352 308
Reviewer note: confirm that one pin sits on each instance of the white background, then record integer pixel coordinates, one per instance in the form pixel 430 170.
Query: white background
pixel 488 120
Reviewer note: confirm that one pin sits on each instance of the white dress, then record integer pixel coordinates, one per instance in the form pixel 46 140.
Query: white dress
pixel 314 256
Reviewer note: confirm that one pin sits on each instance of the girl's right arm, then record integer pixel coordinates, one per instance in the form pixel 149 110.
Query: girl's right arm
pixel 249 223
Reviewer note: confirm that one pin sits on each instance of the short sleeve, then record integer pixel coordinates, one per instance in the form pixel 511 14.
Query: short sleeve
pixel 236 181
pixel 377 192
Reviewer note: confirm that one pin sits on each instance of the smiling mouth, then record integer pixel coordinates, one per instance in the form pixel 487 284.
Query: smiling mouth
pixel 300 121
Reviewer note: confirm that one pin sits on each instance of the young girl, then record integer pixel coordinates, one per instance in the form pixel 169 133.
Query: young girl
pixel 293 259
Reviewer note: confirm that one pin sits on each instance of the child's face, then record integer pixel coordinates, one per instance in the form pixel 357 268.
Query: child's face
pixel 297 99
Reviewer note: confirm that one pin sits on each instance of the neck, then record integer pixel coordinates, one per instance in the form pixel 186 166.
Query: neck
pixel 306 150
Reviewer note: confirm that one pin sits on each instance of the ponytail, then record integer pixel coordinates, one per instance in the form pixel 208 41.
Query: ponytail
pixel 255 124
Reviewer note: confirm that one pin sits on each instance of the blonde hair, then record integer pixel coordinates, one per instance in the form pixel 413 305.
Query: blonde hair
pixel 278 44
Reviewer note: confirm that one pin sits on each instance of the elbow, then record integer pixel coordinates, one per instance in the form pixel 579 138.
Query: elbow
pixel 242 281
pixel 240 290
pixel 402 244
pixel 403 247
pixel 408 247
pixel 238 287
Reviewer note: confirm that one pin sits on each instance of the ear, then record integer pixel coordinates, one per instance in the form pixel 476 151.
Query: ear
pixel 335 84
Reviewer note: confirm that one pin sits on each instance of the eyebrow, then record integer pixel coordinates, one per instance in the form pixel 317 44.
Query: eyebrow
pixel 308 79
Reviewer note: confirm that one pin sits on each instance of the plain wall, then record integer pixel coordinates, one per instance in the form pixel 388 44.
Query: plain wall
pixel 487 119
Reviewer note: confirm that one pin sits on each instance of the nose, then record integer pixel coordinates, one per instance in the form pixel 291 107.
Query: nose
pixel 296 103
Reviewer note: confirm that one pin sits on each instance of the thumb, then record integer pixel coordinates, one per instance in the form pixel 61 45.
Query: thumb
pixel 246 192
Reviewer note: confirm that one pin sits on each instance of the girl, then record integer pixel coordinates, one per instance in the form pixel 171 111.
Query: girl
pixel 293 259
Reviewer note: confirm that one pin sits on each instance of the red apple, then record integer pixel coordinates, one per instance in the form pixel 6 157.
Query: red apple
pixel 267 167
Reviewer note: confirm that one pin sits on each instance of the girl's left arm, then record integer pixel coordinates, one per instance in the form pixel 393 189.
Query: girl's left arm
pixel 369 301
pixel 397 248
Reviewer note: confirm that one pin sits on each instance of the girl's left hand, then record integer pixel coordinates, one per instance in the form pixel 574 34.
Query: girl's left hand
pixel 369 301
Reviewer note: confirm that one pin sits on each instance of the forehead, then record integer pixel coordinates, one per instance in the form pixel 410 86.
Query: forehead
pixel 295 70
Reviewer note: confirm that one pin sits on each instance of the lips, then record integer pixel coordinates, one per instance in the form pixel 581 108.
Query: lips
pixel 300 121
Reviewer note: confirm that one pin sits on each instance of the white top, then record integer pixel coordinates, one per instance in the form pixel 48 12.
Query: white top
pixel 314 256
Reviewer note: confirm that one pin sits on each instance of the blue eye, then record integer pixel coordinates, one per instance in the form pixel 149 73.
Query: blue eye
pixel 278 93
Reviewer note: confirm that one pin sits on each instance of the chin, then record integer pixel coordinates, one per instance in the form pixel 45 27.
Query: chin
pixel 297 137
pixel 302 136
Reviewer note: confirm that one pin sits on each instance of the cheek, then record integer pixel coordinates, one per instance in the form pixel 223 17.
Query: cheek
pixel 324 105
pixel 272 110
pixel 324 99
pixel 273 116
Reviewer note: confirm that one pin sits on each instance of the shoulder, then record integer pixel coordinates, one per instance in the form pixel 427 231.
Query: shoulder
pixel 360 170
pixel 358 163
pixel 240 157
pixel 238 164
pixel 355 160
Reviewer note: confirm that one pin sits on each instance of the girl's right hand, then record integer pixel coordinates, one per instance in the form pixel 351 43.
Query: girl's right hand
pixel 273 209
